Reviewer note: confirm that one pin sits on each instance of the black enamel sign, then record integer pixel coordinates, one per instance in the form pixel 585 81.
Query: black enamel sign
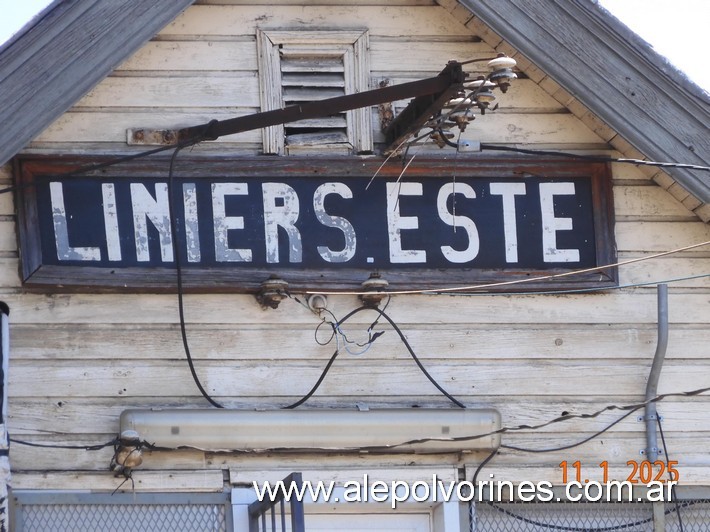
pixel 333 221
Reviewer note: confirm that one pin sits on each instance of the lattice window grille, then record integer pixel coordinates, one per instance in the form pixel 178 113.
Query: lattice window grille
pixel 90 512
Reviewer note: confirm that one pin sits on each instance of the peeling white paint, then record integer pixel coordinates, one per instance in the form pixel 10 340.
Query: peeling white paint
pixel 338 222
pixel 157 210
pixel 113 240
pixel 223 223
pixel 281 209
pixel 468 225
pixel 192 228
pixel 396 222
pixel 61 233
pixel 508 191
pixel 552 224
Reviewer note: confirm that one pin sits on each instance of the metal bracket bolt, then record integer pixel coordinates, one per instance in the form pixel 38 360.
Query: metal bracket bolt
pixel 374 287
pixel 272 292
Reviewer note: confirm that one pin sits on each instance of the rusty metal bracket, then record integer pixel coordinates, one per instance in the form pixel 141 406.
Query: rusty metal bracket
pixel 422 108
pixel 151 137
pixel 272 292
pixel 374 290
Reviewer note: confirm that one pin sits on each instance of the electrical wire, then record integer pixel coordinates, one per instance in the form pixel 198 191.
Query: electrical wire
pixel 474 479
pixel 316 385
pixel 173 228
pixel 572 445
pixel 178 269
pixel 337 333
pixel 585 290
pixel 479 60
pixel 482 286
pixel 596 158
pixel 670 475
pixel 106 164
pixel 414 356
pixel 393 153
pixel 96 447
pixel 559 419
pixel 404 341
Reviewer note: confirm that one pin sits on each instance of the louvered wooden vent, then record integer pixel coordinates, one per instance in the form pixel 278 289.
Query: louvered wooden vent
pixel 306 79
pixel 297 67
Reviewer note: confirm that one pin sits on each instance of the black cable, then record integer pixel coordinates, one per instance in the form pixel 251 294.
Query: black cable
pixel 414 356
pixel 178 269
pixel 670 475
pixel 402 338
pixel 474 479
pixel 99 166
pixel 332 334
pixel 316 385
pixel 566 417
pixel 481 466
pixel 96 447
pixel 572 445
pixel 173 227
pixel 595 158
pixel 336 330
pixel 377 320
pixel 446 141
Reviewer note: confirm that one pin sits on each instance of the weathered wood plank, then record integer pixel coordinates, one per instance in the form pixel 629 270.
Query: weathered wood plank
pixel 9 273
pixel 410 475
pixel 121 378
pixel 523 97
pixel 5 171
pixel 162 93
pixel 615 307
pixel 628 172
pixel 112 126
pixel 8 239
pixel 395 21
pixel 660 236
pixel 652 203
pixel 7 202
pixel 175 56
pixel 519 128
pixel 617 448
pixel 690 476
pixel 389 57
pixel 43 416
pixel 515 128
pixel 166 57
pixel 479 341
pixel 167 481
pixel 662 269
pixel 27 459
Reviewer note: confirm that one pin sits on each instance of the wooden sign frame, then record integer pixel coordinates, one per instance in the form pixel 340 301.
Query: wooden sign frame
pixel 244 278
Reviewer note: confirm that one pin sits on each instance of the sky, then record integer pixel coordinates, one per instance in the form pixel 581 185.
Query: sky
pixel 677 29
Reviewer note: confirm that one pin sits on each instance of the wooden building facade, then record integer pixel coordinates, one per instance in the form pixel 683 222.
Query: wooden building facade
pixel 85 349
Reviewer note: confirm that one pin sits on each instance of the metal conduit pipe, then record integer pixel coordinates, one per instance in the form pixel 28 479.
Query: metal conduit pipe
pixel 654 375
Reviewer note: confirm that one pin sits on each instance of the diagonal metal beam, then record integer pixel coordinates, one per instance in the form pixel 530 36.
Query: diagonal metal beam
pixel 429 95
